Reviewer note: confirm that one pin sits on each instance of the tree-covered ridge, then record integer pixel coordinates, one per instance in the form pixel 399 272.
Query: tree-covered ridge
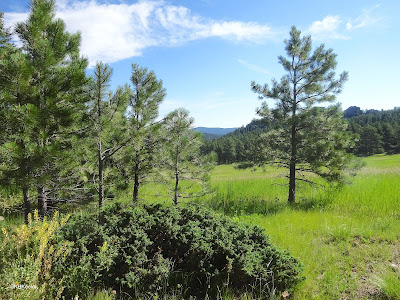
pixel 239 145
pixel 376 132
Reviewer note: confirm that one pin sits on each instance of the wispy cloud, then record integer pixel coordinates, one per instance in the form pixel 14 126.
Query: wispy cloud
pixel 333 27
pixel 328 28
pixel 254 67
pixel 364 20
pixel 112 32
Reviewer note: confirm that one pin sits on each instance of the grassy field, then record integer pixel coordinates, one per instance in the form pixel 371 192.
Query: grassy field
pixel 348 238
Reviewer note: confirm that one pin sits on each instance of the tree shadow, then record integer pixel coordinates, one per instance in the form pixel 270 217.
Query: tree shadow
pixel 253 205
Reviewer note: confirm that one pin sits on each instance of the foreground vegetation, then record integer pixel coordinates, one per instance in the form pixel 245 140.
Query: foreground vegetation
pixel 347 238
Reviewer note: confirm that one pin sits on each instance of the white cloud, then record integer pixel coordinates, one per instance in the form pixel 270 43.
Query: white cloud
pixel 364 20
pixel 112 32
pixel 328 28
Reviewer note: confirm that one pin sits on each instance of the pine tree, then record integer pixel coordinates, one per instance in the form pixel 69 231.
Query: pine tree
pixel 182 159
pixel 17 157
pixel 370 141
pixel 306 138
pixel 5 34
pixel 107 115
pixel 46 87
pixel 145 96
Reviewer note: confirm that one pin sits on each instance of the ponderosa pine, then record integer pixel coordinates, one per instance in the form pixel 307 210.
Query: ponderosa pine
pixel 45 92
pixel 306 138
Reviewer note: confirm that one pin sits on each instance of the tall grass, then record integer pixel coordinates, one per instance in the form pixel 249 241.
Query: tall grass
pixel 345 237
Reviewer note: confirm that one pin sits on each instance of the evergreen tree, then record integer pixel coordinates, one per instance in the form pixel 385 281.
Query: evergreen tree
pixel 306 138
pixel 182 159
pixel 390 143
pixel 370 142
pixel 145 96
pixel 17 150
pixel 107 115
pixel 48 91
pixel 5 33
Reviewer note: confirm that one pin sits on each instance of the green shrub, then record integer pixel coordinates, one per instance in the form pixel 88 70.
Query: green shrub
pixel 157 250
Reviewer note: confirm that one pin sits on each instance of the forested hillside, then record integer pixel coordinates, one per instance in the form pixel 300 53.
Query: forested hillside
pixel 375 131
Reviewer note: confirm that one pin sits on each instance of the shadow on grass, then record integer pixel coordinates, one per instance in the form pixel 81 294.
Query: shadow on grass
pixel 253 205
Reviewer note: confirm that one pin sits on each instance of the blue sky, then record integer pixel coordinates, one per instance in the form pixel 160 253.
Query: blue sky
pixel 207 52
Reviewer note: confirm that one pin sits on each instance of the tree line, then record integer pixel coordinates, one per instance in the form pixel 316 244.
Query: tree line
pixel 64 135
pixel 375 132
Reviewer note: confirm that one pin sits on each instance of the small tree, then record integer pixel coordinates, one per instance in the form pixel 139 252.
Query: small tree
pixel 107 115
pixel 145 96
pixel 182 159
pixel 306 138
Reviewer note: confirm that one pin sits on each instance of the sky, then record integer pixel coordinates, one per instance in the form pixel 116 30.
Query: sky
pixel 207 52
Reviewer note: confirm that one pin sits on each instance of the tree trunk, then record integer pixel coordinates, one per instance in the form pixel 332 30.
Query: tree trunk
pixel 292 183
pixel 176 188
pixel 293 144
pixel 100 158
pixel 27 203
pixel 136 185
pixel 292 168
pixel 101 183
pixel 42 201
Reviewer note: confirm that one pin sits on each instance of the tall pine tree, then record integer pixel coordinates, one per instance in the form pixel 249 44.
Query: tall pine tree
pixel 306 138
pixel 17 156
pixel 49 92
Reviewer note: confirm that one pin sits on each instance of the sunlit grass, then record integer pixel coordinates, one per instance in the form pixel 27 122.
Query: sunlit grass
pixel 345 237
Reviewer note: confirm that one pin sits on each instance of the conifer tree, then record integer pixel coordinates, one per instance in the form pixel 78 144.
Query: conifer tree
pixel 17 157
pixel 145 96
pixel 5 34
pixel 53 84
pixel 306 138
pixel 107 114
pixel 182 158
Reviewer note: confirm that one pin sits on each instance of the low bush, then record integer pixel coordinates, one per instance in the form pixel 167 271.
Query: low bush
pixel 158 250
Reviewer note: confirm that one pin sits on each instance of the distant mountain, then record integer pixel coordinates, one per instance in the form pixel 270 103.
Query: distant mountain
pixel 215 131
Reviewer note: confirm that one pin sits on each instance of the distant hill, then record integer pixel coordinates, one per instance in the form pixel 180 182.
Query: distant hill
pixel 214 131
pixel 254 125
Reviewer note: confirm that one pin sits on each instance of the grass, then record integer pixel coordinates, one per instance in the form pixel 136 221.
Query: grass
pixel 348 239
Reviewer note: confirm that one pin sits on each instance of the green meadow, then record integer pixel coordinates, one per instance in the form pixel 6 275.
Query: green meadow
pixel 348 238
